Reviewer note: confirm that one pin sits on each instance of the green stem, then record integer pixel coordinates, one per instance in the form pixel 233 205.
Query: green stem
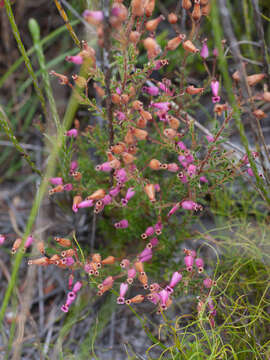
pixel 35 32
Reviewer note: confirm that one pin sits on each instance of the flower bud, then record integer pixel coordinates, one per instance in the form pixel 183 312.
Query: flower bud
pixel 196 13
pixel 155 164
pixel 192 90
pixel 123 224
pixel 93 17
pixel 139 266
pixel 152 47
pixel 44 261
pixel 149 7
pixel 56 181
pixel 175 42
pixel 259 114
pixel 190 47
pixel 189 262
pixel 109 260
pixel 57 189
pixel 254 79
pixel 135 300
pixel 143 280
pixel 78 60
pixel 150 192
pixel 63 242
pixel 172 18
pixel 134 37
pixel 97 195
pixel 204 51
pixel 152 25
pixel 205 10
pixel 16 245
pixel 200 264
pixel 170 133
pixel 137 7
pixel 186 4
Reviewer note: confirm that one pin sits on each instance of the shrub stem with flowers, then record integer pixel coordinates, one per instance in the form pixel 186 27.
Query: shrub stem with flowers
pixel 151 155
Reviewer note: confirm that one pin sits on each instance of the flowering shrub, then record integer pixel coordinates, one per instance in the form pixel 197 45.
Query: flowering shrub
pixel 151 159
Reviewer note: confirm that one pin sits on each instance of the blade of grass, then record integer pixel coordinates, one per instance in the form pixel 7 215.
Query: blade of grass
pixel 28 65
pixel 52 36
pixel 218 36
pixel 35 32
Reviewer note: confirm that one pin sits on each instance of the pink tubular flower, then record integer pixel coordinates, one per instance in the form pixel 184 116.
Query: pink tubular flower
pixel 77 286
pixel 71 296
pixel 181 145
pixel 204 51
pixel 28 241
pixel 210 138
pixel 72 133
pixel 56 181
pixel 120 115
pixel 188 204
pixel 123 224
pixel 250 171
pixel 123 290
pixel 215 89
pixel 215 52
pixel 121 175
pixel 64 308
pixel 151 90
pixel 130 193
pixel 164 106
pixel 68 261
pixel 104 167
pixel 189 262
pixel 183 161
pixel 118 90
pixel 200 264
pixel 70 281
pixel 164 296
pixel 131 275
pixel 125 263
pixel 115 191
pixel 207 282
pixel 182 177
pixel 191 170
pixel 203 179
pixel 158 228
pixel 93 17
pixel 157 187
pixel 148 232
pixel 2 239
pixel 153 241
pixel 173 167
pixel 77 60
pixel 146 254
pixel 153 297
pixel 73 166
pixel 107 200
pixel 176 278
pixel 165 88
pixel 85 204
pixel 68 187
pixel 173 209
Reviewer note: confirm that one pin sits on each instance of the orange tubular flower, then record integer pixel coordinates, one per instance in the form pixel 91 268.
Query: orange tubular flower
pixel 63 242
pixel 16 245
pixel 175 42
pixel 135 300
pixel 97 195
pixel 150 192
